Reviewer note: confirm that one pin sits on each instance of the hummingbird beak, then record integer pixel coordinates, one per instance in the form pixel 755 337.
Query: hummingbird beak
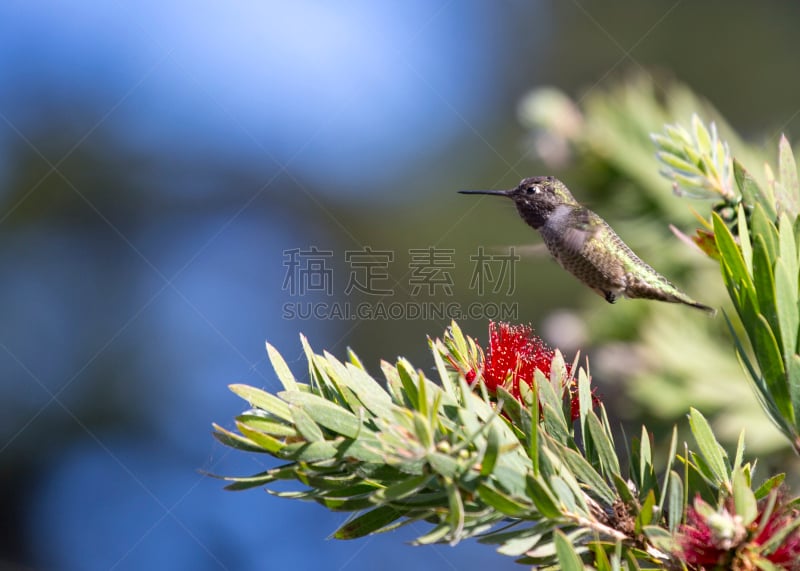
pixel 495 192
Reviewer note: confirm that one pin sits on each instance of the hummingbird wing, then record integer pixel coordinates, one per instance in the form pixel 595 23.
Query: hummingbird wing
pixel 580 225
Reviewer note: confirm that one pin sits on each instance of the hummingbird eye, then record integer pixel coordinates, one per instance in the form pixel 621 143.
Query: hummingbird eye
pixel 535 189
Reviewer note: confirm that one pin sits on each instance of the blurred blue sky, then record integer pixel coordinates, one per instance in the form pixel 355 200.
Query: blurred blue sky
pixel 305 84
pixel 133 303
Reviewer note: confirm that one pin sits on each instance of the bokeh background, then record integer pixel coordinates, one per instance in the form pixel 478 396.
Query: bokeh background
pixel 158 160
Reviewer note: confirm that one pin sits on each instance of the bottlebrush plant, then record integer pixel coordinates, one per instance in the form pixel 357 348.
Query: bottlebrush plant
pixel 513 445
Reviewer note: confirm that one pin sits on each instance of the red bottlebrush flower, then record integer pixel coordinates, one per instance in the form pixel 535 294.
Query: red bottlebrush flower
pixel 513 356
pixel 515 351
pixel 718 539
pixel 787 554
pixel 707 536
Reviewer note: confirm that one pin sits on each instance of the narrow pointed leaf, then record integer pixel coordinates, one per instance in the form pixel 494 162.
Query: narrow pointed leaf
pixel 605 450
pixel 744 499
pixel 793 380
pixel 263 400
pixel 503 503
pixel 234 440
pixel 787 166
pixel 306 426
pixel 771 364
pixel 568 558
pixel 281 369
pixel 367 523
pixel 268 443
pixel 586 474
pixel 675 501
pixel 325 413
pixel 492 451
pixel 713 454
pixel 770 484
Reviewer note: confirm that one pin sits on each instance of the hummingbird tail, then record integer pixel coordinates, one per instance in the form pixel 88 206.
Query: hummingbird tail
pixel 709 310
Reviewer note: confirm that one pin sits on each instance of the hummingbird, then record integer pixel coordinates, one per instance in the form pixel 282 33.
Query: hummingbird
pixel 586 246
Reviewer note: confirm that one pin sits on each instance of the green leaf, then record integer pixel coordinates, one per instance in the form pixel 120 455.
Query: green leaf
pixel 344 504
pixel 677 163
pixel 673 449
pixel 458 339
pixel 394 384
pixel 786 245
pixel 565 494
pixel 712 452
pixel 624 490
pixel 325 413
pixel 645 515
pixel 645 461
pixel 492 451
pixel 444 375
pixel 369 392
pixel 306 426
pixel 761 224
pixel 675 502
pixel 584 394
pixel 233 440
pixel 309 451
pixel 737 459
pixel 456 515
pixel 568 558
pixel 444 465
pixel 281 369
pixel 787 167
pixel 757 382
pixel 770 484
pixel 601 560
pixel 436 535
pixel 552 409
pixel 353 358
pixel 585 473
pixel 661 539
pixel 788 318
pixel 317 365
pixel 730 253
pixel 365 448
pixel 752 194
pixel 543 498
pixel 369 522
pixel 267 425
pixel 249 482
pixel 263 400
pixel 410 390
pixel 609 462
pixel 743 498
pixel 771 364
pixel 503 503
pixel 339 376
pixel 402 489
pixel 268 443
pixel 533 446
pixel 793 377
pixel 744 239
pixel 764 282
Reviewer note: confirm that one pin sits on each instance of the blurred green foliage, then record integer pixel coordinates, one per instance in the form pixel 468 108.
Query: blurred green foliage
pixel 673 359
